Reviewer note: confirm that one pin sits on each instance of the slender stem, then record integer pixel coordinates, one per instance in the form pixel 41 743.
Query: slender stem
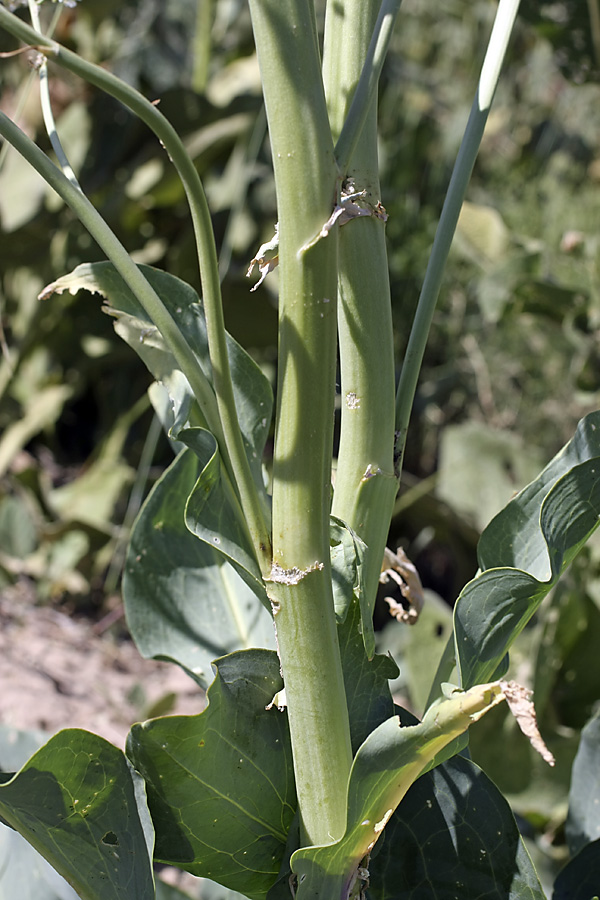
pixel 366 90
pixel 116 252
pixel 490 72
pixel 231 442
pixel 306 180
pixel 47 113
pixel 365 485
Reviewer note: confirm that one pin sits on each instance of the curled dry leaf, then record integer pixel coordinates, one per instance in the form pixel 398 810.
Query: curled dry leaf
pixel 521 706
pixel 398 568
pixel 266 259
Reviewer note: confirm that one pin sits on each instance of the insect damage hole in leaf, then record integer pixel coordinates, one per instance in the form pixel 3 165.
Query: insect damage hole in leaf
pixel 111 839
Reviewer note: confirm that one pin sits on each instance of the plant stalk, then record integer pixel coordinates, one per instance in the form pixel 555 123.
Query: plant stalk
pixel 306 180
pixel 365 484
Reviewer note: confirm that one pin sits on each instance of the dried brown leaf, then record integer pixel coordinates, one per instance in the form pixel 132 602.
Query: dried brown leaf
pixel 398 568
pixel 521 706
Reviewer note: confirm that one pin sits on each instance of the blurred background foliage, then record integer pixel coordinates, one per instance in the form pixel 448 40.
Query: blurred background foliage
pixel 514 356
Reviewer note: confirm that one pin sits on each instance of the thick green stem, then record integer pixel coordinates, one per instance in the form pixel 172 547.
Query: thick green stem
pixel 490 72
pixel 365 485
pixel 306 180
pixel 230 440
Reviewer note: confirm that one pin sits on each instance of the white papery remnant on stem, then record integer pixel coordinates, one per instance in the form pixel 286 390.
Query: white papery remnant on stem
pixel 293 575
pixel 267 256
pixel 348 209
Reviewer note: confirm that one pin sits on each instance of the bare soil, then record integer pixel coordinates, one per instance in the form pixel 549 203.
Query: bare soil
pixel 57 671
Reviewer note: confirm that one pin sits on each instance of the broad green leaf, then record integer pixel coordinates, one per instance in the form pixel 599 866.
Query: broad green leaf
pixel 490 612
pixel 347 570
pixel 453 835
pixel 524 550
pixel 213 514
pixel 580 879
pixel 366 680
pixel 385 766
pixel 583 821
pixel 182 598
pixel 347 552
pixel 220 784
pixel 80 805
pixel 253 395
pixel 23 872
